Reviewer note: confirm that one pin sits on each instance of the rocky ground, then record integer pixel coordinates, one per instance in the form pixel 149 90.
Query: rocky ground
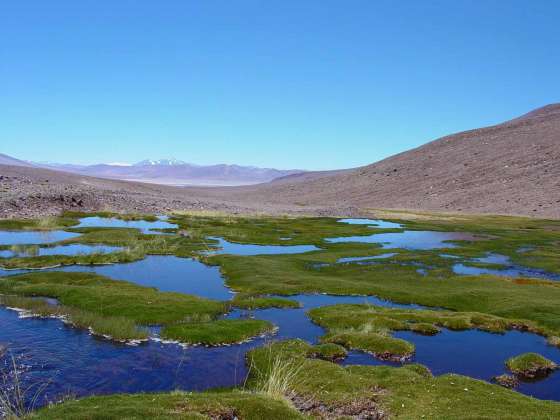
pixel 30 192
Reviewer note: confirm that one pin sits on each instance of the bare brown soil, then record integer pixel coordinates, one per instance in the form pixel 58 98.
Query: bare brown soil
pixel 33 192
pixel 360 409
pixel 510 168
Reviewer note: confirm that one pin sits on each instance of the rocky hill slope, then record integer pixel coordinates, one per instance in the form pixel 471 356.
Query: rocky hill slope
pixel 510 168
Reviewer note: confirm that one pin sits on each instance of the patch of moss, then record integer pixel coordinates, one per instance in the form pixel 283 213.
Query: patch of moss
pixel 382 346
pixel 327 351
pixel 530 365
pixel 261 302
pixel 214 333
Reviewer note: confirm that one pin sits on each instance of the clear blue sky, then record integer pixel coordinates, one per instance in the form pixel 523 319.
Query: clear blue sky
pixel 290 83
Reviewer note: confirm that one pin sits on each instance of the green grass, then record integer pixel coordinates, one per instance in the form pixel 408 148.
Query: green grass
pixel 533 300
pixel 262 302
pixel 109 298
pixel 327 351
pixel 530 365
pixel 423 321
pixel 383 346
pixel 175 405
pixel 408 392
pixel 45 223
pixel 269 230
pixel 214 333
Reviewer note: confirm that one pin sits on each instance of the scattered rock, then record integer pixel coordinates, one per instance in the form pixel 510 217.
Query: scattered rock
pixel 507 381
pixel 358 409
pixel 530 366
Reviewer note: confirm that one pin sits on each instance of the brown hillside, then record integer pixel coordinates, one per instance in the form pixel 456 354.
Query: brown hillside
pixel 511 168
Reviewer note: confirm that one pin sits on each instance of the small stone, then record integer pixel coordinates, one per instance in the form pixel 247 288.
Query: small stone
pixel 507 381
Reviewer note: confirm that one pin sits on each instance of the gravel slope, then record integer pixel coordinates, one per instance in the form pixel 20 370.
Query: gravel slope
pixel 511 168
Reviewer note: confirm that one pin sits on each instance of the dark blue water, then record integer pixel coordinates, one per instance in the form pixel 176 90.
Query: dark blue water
pixel 294 323
pixel 34 237
pixel 75 363
pixel 251 249
pixel 142 225
pixel 72 249
pixel 476 354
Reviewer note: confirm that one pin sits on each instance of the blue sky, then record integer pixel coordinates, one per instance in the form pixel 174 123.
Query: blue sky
pixel 312 84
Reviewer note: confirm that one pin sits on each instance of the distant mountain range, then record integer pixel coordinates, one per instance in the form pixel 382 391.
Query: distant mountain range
pixel 8 160
pixel 169 172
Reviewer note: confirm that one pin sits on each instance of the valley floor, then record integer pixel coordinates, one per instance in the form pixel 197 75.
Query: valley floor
pixel 217 316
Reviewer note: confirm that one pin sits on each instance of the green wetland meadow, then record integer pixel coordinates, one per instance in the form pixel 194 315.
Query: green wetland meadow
pixel 221 316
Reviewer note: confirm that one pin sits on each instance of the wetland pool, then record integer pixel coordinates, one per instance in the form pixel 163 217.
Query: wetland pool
pixel 74 362
pixel 143 226
pixel 72 249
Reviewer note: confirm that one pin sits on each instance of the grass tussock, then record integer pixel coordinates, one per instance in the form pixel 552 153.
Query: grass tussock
pixel 279 377
pixel 17 400
pixel 214 333
pixel 328 351
pixel 262 302
pixel 530 365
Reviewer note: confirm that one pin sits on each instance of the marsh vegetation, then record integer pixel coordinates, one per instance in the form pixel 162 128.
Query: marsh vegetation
pixel 270 288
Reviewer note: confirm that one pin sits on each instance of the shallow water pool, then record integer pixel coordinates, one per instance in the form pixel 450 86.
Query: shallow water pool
pixel 409 239
pixel 374 223
pixel 252 249
pixel 476 354
pixel 72 249
pixel 142 225
pixel 34 237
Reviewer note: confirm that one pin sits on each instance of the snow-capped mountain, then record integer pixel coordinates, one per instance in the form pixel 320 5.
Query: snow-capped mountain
pixel 175 172
pixel 161 162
